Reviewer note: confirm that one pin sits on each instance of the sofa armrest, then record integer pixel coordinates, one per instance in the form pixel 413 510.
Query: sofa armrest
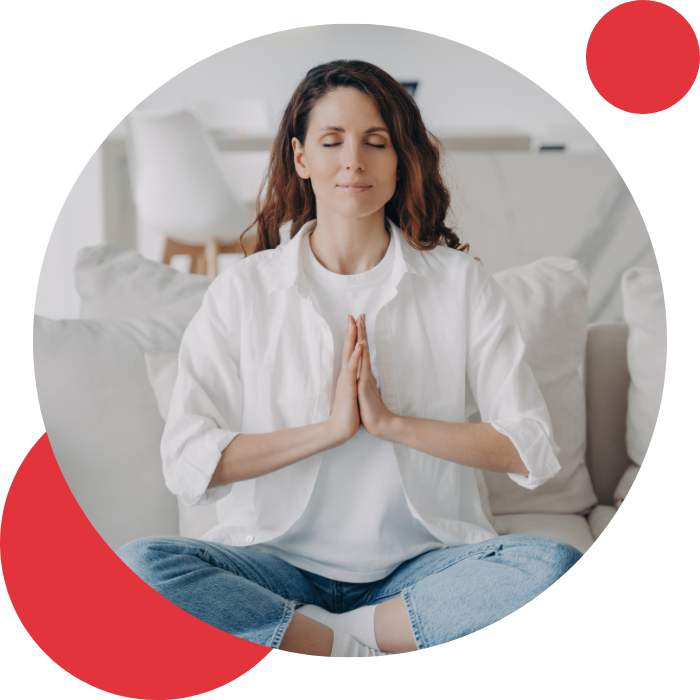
pixel 607 381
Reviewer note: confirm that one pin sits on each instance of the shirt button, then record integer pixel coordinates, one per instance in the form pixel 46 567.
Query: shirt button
pixel 249 539
pixel 324 324
pixel 326 387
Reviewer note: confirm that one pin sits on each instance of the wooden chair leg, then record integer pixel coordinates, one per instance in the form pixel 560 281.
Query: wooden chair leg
pixel 169 251
pixel 211 253
pixel 203 258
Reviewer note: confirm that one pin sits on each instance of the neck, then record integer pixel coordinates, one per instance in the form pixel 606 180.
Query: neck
pixel 349 246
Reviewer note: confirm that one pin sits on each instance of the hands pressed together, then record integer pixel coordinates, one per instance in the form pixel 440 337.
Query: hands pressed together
pixel 357 398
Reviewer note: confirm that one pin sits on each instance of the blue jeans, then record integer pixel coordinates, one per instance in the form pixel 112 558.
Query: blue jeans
pixel 448 593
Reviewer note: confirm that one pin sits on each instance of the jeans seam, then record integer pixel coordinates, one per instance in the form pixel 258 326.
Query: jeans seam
pixel 413 618
pixel 284 623
pixel 456 560
pixel 337 597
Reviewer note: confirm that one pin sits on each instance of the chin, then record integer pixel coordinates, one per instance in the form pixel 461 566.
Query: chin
pixel 358 211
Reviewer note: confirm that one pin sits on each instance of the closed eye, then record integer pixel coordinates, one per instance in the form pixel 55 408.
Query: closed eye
pixel 331 145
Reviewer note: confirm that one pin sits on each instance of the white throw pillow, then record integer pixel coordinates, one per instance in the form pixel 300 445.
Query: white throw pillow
pixel 549 297
pixel 102 418
pixel 645 314
pixel 194 521
pixel 117 282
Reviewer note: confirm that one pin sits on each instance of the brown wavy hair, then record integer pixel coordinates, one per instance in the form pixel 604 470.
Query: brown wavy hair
pixel 421 200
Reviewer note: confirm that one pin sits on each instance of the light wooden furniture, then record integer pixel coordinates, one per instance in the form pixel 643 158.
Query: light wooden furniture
pixel 204 257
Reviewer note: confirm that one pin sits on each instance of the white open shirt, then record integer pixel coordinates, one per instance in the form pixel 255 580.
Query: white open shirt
pixel 257 357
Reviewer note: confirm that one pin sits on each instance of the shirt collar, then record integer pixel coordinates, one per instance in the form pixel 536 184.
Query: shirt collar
pixel 287 268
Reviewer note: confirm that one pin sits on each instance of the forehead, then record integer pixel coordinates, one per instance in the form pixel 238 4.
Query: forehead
pixel 346 107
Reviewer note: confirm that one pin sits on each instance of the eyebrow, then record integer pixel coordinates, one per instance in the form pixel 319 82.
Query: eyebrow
pixel 371 130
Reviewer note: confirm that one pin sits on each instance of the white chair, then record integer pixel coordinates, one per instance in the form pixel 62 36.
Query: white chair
pixel 182 189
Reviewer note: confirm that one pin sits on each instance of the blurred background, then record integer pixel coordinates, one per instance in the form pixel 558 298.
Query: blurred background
pixel 177 178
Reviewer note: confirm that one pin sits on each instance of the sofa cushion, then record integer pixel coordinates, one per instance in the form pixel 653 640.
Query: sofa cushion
pixel 643 304
pixel 102 417
pixel 117 282
pixel 549 297
pixel 572 529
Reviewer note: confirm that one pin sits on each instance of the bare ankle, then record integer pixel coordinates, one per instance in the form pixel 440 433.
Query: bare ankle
pixel 392 627
pixel 306 636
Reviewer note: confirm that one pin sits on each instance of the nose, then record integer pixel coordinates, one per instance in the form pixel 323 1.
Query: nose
pixel 354 160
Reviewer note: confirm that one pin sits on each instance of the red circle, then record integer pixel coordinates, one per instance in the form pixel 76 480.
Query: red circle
pixel 90 613
pixel 643 56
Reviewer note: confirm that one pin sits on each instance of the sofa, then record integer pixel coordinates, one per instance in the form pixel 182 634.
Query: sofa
pixel 104 384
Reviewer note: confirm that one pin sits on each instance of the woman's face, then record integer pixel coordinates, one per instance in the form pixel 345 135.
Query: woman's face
pixel 348 155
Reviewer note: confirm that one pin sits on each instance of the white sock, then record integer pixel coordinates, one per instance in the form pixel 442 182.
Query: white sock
pixel 345 645
pixel 357 623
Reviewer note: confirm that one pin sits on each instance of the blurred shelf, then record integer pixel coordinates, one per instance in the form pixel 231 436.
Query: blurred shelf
pixel 484 140
pixel 451 140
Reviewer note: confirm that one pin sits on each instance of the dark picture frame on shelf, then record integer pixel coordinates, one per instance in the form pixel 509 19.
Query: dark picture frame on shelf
pixel 411 86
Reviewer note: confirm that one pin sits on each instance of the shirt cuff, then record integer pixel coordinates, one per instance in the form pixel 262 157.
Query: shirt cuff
pixel 196 467
pixel 536 449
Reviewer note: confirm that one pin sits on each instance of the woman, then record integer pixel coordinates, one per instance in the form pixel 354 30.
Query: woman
pixel 322 396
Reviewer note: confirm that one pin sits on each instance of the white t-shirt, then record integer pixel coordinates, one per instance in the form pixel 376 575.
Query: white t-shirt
pixel 357 526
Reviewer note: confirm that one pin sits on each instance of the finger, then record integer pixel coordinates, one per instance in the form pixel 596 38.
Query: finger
pixel 360 329
pixel 363 343
pixel 366 373
pixel 354 360
pixel 350 339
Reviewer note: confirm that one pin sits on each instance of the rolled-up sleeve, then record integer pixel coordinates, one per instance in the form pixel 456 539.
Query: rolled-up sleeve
pixel 206 407
pixel 504 386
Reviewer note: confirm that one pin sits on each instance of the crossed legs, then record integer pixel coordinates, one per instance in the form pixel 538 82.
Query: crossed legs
pixel 437 597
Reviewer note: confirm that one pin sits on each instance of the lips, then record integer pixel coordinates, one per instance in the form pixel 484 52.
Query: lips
pixel 354 187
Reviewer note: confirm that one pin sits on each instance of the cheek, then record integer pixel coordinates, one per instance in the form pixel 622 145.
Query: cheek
pixel 390 178
pixel 390 171
pixel 322 171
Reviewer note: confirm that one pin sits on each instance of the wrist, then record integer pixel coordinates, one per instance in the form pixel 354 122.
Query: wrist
pixel 333 436
pixel 390 428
